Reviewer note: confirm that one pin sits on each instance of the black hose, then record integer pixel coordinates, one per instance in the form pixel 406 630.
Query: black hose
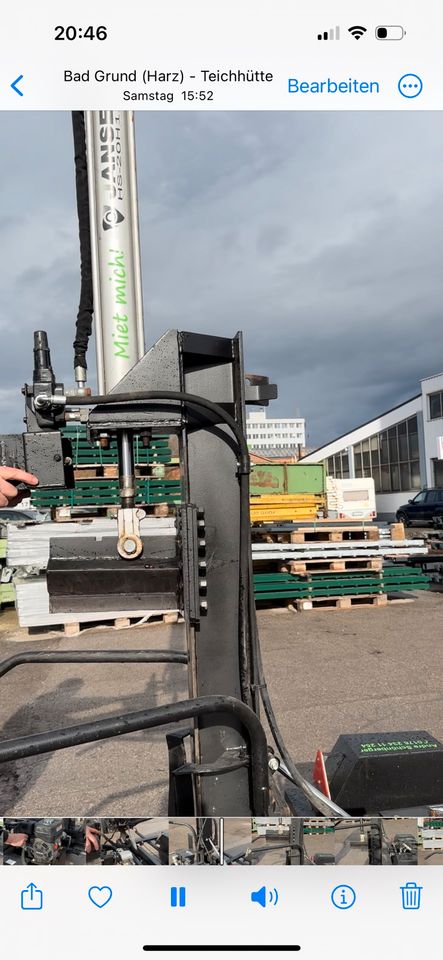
pixel 190 398
pixel 83 327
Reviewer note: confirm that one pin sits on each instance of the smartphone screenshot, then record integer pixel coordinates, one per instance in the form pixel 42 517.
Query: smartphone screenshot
pixel 221 479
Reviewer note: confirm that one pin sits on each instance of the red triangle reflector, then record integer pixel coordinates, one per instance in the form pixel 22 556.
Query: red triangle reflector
pixel 320 776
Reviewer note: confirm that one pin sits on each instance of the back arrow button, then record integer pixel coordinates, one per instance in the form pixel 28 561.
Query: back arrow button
pixel 15 87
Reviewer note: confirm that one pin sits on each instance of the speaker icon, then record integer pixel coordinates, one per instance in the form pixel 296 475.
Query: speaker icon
pixel 265 897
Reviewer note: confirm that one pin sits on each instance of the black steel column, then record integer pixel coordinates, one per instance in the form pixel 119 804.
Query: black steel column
pixel 210 369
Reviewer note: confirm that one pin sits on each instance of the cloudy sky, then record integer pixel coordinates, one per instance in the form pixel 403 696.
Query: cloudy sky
pixel 319 235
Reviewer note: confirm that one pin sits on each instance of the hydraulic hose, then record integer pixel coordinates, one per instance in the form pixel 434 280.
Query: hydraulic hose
pixel 86 305
pixel 177 395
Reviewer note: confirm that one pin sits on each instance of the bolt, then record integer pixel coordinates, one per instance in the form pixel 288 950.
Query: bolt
pixel 202 544
pixel 68 461
pixel 273 764
pixel 57 457
pixel 204 606
pixel 129 546
pixel 203 585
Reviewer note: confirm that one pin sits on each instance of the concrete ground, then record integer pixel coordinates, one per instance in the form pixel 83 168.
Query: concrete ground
pixel 328 673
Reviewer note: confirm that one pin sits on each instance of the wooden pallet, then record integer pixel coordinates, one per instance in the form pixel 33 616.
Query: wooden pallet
pixel 340 603
pixel 330 534
pixel 331 566
pixel 118 623
pixel 101 471
pixel 65 514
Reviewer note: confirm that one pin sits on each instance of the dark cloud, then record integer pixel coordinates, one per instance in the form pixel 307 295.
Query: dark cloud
pixel 319 235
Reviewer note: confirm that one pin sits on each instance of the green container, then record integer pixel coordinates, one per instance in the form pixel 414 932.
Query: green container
pixel 277 478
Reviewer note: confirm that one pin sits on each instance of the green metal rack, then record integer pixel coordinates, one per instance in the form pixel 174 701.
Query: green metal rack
pixel 280 586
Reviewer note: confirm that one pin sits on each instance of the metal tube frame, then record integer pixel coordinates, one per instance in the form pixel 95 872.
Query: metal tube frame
pixel 121 724
pixel 92 656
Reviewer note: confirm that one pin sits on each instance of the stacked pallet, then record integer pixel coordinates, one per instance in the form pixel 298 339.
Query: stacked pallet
pixel 28 553
pixel 29 545
pixel 286 506
pixel 96 477
pixel 335 566
pixel 7 590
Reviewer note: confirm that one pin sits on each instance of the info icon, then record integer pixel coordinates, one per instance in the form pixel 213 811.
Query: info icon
pixel 343 897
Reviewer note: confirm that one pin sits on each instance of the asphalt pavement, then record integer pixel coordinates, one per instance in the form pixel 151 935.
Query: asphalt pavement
pixel 328 672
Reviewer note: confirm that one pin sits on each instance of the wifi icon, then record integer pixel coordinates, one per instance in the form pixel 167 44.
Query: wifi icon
pixel 357 32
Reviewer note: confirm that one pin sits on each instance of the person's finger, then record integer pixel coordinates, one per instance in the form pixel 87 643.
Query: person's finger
pixel 13 473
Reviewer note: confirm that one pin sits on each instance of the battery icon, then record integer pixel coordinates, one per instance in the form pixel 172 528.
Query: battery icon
pixel 389 33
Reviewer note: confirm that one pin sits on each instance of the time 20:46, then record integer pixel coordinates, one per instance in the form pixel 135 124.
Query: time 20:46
pixel 80 33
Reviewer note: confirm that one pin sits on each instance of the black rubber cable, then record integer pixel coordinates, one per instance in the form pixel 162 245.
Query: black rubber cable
pixel 86 304
pixel 193 399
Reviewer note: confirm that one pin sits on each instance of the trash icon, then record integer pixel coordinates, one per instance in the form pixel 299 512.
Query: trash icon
pixel 411 896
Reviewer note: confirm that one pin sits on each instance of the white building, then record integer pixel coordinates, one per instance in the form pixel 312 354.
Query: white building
pixel 279 437
pixel 401 449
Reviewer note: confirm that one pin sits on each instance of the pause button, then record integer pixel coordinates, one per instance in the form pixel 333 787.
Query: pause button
pixel 178 896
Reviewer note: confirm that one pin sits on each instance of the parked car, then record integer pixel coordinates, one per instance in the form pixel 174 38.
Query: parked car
pixel 426 507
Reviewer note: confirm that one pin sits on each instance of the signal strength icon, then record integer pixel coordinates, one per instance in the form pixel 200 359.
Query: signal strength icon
pixel 357 32
pixel 332 34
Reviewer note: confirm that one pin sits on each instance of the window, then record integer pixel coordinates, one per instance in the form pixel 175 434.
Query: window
pixel 393 446
pixel 405 476
pixel 402 442
pixel 366 458
pixel 391 458
pixel 433 496
pixel 413 438
pixel 385 479
pixel 420 498
pixel 435 405
pixel 415 475
pixel 384 449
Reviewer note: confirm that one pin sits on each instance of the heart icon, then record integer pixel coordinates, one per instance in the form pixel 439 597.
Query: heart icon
pixel 99 896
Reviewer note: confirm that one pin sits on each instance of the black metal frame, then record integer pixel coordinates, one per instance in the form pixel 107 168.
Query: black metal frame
pixel 228 773
pixel 116 726
pixel 92 656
